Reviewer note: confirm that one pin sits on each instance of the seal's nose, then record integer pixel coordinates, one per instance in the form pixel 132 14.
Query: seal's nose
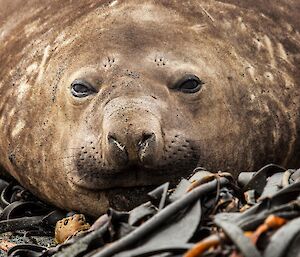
pixel 132 148
pixel 131 133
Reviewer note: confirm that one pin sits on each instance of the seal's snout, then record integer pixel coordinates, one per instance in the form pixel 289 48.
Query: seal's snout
pixel 132 134
pixel 133 148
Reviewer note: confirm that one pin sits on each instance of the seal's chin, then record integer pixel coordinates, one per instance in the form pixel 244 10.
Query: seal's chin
pixel 132 177
pixel 124 189
pixel 128 198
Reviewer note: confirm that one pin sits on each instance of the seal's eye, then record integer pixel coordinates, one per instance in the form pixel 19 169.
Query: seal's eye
pixel 189 84
pixel 80 88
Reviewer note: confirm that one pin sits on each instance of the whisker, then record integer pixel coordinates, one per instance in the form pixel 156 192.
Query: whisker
pixel 68 164
pixel 69 171
pixel 85 175
pixel 73 148
pixel 66 157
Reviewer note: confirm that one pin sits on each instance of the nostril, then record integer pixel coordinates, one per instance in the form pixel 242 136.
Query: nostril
pixel 146 138
pixel 147 148
pixel 112 140
pixel 117 153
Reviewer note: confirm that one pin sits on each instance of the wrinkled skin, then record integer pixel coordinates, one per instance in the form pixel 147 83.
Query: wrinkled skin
pixel 137 129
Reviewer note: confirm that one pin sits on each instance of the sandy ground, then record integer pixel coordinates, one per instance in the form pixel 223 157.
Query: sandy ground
pixel 19 238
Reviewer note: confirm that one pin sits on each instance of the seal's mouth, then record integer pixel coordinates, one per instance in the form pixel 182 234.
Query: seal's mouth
pixel 123 189
pixel 129 178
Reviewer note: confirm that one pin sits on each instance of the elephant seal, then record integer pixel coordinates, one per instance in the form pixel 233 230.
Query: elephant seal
pixel 101 100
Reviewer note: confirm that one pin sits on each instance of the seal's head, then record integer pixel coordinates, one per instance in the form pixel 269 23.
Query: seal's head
pixel 128 102
pixel 140 94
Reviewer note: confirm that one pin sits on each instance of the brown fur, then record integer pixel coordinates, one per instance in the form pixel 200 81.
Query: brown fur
pixel 134 52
